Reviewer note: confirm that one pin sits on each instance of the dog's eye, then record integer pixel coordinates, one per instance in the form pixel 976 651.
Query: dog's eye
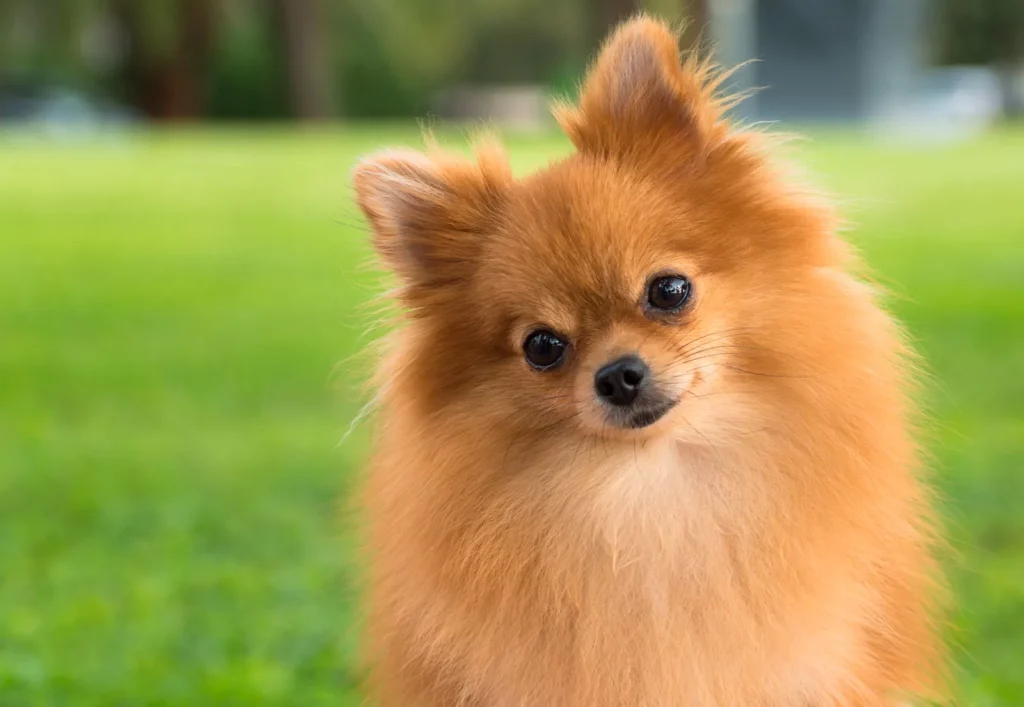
pixel 544 350
pixel 669 292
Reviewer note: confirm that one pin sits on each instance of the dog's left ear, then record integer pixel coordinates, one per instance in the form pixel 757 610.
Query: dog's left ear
pixel 638 96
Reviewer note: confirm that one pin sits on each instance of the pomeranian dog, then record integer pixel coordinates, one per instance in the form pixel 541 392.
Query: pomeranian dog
pixel 645 437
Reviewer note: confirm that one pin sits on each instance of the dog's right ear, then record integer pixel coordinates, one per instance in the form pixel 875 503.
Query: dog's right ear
pixel 429 214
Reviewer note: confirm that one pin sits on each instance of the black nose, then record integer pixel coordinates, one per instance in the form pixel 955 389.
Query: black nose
pixel 621 381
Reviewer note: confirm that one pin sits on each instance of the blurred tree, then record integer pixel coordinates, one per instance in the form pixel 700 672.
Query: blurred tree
pixel 273 59
pixel 525 41
pixel 167 66
pixel 986 32
pixel 46 38
pixel 698 17
pixel 248 78
pixel 982 31
pixel 605 14
pixel 397 54
pixel 303 33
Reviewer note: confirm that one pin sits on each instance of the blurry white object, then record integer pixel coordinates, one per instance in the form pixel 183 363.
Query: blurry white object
pixel 35 110
pixel 952 102
pixel 522 107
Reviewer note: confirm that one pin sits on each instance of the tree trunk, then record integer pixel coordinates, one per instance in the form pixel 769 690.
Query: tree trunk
pixel 301 25
pixel 606 14
pixel 1011 84
pixel 698 30
pixel 170 85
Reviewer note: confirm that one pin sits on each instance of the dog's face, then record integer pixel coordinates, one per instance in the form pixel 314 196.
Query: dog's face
pixel 600 300
pixel 635 289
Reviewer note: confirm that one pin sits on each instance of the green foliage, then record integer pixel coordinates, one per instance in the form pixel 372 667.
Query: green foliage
pixel 525 41
pixel 395 55
pixel 390 56
pixel 181 323
pixel 247 81
pixel 981 31
pixel 375 79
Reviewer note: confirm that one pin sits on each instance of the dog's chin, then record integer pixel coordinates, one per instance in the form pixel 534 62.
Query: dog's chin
pixel 640 417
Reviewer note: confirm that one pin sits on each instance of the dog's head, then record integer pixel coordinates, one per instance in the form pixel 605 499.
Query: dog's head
pixel 652 283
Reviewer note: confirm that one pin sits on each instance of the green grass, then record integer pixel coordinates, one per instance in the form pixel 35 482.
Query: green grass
pixel 178 315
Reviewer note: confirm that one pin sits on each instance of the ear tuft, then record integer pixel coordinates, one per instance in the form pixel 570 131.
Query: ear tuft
pixel 429 213
pixel 399 191
pixel 639 62
pixel 638 94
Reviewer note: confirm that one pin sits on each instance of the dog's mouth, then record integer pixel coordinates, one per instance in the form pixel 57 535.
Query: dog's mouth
pixel 642 416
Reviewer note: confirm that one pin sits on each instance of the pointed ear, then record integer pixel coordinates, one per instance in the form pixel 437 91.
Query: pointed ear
pixel 429 214
pixel 637 95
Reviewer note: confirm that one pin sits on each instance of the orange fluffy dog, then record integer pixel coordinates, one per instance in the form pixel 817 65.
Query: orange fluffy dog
pixel 644 437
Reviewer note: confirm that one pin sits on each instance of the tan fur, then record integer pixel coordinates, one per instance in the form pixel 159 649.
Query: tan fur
pixel 766 543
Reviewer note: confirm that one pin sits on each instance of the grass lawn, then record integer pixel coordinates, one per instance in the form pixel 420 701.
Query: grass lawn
pixel 178 319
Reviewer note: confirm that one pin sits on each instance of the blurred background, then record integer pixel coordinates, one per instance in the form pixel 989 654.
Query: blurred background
pixel 89 64
pixel 184 298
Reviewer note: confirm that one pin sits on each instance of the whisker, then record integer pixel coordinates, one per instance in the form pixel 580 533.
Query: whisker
pixel 764 375
pixel 704 437
pixel 744 347
pixel 720 333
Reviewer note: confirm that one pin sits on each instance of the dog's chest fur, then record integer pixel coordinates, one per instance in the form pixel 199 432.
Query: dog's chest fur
pixel 650 592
